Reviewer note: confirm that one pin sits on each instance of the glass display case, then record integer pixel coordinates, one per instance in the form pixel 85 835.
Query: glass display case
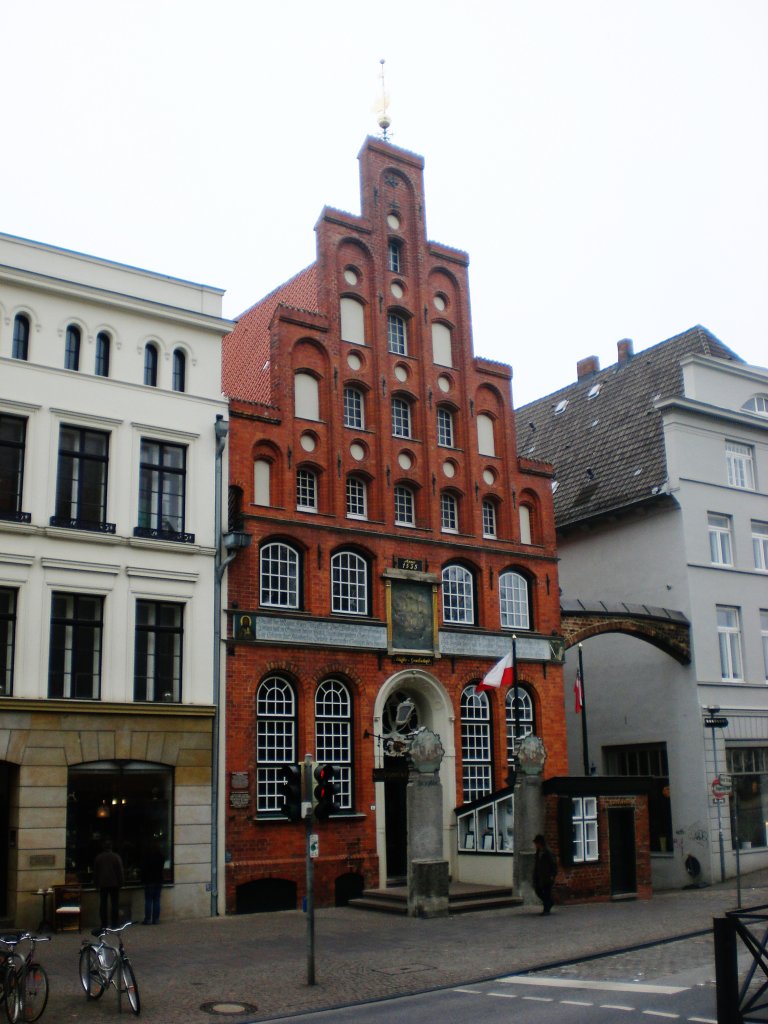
pixel 487 826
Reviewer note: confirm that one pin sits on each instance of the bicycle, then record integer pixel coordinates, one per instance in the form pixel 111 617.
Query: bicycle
pixel 102 965
pixel 24 981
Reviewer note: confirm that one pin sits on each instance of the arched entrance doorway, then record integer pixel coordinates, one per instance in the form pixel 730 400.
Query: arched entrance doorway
pixel 406 701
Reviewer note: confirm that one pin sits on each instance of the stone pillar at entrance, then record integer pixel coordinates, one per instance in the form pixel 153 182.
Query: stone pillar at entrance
pixel 529 814
pixel 427 869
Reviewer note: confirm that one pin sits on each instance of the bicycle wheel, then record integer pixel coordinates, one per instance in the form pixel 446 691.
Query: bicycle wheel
pixel 11 996
pixel 90 975
pixel 129 986
pixel 34 992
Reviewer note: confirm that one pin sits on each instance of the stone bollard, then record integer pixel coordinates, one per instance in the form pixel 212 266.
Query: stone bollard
pixel 428 888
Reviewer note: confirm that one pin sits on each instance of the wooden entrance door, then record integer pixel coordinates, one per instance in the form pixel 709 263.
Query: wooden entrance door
pixel 621 843
pixel 396 820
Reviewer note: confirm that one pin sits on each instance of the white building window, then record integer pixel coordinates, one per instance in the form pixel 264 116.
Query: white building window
pixel 513 601
pixel 444 427
pixel 442 353
pixel 279 576
pixel 404 506
pixel 485 440
pixel 585 846
pixel 476 767
pixel 397 335
pixel 757 404
pixel 739 459
pixel 401 417
pixel 357 498
pixel 352 321
pixel 395 256
pixel 333 735
pixel 764 636
pixel 275 741
pixel 349 584
pixel 306 396
pixel 449 513
pixel 306 490
pixel 524 718
pixel 458 595
pixel 354 408
pixel 729 639
pixel 760 544
pixel 489 518
pixel 719 539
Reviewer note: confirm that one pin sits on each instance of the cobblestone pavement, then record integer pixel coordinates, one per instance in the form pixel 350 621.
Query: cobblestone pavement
pixel 183 967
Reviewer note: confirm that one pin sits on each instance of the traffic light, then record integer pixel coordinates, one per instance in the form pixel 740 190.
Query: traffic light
pixel 325 791
pixel 290 791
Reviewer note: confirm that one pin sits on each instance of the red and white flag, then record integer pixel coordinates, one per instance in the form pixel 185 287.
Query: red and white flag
pixel 500 675
pixel 578 693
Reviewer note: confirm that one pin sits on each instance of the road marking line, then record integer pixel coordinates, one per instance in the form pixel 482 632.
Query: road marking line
pixel 574 1002
pixel 611 1006
pixel 702 1020
pixel 660 1013
pixel 539 999
pixel 503 995
pixel 605 986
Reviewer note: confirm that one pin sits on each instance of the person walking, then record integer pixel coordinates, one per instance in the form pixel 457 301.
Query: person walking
pixel 152 866
pixel 544 872
pixel 108 877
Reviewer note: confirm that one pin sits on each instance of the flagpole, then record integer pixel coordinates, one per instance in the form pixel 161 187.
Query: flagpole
pixel 584 742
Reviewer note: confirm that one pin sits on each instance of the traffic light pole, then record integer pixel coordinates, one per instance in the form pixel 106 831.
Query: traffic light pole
pixel 310 871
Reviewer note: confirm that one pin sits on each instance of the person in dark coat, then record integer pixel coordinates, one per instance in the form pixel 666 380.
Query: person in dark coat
pixel 152 865
pixel 544 872
pixel 108 877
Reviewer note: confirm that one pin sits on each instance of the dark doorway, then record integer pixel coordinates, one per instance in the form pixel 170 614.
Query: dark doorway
pixel 265 895
pixel 348 887
pixel 621 843
pixel 5 833
pixel 396 809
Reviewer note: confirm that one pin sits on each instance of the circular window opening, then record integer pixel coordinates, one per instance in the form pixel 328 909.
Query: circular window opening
pixel 351 276
pixel 405 460
pixel 397 289
pixel 354 362
pixel 440 302
pixel 393 221
pixel 308 442
pixel 489 476
pixel 401 372
pixel 357 451
pixel 444 383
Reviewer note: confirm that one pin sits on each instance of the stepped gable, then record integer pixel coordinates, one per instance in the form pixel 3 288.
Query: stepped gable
pixel 603 433
pixel 245 352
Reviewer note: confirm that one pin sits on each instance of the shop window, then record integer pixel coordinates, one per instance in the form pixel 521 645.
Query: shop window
pixel 748 768
pixel 128 803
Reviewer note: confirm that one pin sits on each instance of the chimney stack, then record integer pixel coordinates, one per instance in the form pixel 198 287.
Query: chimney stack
pixel 626 350
pixel 587 367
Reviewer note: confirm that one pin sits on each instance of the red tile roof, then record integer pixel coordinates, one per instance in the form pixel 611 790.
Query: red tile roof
pixel 245 360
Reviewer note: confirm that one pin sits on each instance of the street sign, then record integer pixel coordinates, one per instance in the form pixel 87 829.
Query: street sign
pixel 721 785
pixel 715 722
pixel 719 799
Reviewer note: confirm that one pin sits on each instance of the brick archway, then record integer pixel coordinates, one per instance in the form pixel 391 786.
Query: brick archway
pixel 665 629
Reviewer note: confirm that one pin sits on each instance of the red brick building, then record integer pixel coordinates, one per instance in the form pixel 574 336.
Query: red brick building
pixel 398 543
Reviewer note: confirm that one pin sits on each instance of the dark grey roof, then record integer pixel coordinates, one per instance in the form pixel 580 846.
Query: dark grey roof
pixel 608 450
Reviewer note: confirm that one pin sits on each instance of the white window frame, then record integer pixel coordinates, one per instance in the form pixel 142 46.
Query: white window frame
pixel 445 430
pixel 354 408
pixel 275 740
pixel 458 595
pixel 489 519
pixel 333 735
pixel 585 840
pixel 279 567
pixel 397 334
pixel 525 718
pixel 720 538
pixel 405 506
pixel 760 545
pixel 349 584
pixel 449 513
pixel 357 498
pixel 729 643
pixel 764 638
pixel 514 601
pixel 740 462
pixel 306 489
pixel 476 746
pixel 395 256
pixel 401 417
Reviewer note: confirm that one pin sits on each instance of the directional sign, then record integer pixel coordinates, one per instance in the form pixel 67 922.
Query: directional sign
pixel 719 787
pixel 715 722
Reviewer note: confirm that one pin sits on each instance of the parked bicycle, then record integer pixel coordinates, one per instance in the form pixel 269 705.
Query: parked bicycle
pixel 102 965
pixel 24 981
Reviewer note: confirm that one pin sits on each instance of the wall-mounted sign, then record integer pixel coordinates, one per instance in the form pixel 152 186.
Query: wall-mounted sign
pixel 243 626
pixel 239 780
pixel 240 801
pixel 412 617
pixel 409 564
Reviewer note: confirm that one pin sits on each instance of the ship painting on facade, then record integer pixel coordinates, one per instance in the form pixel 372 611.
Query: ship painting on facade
pixel 398 544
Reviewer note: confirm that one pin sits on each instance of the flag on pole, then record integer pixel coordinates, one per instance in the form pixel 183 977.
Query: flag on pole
pixel 500 675
pixel 578 693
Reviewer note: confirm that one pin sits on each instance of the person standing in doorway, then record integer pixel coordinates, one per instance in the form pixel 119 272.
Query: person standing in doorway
pixel 108 877
pixel 152 866
pixel 544 872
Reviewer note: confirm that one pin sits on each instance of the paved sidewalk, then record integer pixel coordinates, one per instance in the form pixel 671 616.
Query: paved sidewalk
pixel 261 960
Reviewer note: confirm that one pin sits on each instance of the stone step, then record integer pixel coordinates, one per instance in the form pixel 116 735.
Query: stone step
pixel 462 899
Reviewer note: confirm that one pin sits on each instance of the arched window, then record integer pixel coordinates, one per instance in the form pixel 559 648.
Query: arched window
pixel 349 584
pixel 397 335
pixel 458 595
pixel 20 337
pixel 275 740
pixel 102 354
pixel 357 498
pixel 757 404
pixel 150 365
pixel 306 490
pixel 262 482
pixel 72 348
pixel 444 426
pixel 442 353
pixel 476 762
pixel 395 256
pixel 333 735
pixel 449 513
pixel 352 321
pixel 401 417
pixel 354 408
pixel 486 444
pixel 404 506
pixel 525 721
pixel 489 518
pixel 179 378
pixel 514 601
pixel 306 396
pixel 279 566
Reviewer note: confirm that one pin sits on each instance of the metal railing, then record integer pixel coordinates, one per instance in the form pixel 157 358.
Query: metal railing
pixel 742 1001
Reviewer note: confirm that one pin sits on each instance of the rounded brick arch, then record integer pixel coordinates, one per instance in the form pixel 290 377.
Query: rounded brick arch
pixel 673 637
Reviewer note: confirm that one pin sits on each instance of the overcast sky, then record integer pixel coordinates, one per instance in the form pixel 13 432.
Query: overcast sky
pixel 604 162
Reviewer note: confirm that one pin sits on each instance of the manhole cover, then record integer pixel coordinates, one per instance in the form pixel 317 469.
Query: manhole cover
pixel 228 1009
